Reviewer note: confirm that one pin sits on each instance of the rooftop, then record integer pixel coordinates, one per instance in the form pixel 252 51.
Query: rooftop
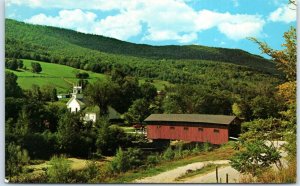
pixel 193 118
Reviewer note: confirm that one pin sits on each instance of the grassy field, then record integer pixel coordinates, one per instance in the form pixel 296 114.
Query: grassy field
pixel 60 76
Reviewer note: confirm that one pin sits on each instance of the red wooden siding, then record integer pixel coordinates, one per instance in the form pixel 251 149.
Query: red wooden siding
pixel 177 132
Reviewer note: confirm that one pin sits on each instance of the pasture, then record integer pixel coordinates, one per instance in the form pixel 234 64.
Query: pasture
pixel 61 76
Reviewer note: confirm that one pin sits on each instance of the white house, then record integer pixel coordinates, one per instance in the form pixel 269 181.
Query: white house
pixel 90 116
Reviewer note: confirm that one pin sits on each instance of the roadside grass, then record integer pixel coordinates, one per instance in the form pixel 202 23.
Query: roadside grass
pixel 222 153
pixel 206 169
pixel 61 76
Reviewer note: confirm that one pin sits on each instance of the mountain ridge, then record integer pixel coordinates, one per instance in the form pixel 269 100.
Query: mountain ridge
pixel 56 41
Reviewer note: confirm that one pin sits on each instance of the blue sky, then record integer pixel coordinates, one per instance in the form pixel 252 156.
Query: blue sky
pixel 217 23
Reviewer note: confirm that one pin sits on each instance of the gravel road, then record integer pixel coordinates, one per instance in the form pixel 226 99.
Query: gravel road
pixel 170 176
pixel 233 176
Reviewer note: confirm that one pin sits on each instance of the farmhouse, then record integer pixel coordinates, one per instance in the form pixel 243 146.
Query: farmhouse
pixel 215 129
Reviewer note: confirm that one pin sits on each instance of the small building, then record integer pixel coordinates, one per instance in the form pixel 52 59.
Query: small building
pixel 215 129
pixel 75 104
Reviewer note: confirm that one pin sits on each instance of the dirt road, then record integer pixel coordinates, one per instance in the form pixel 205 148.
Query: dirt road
pixel 170 176
pixel 233 176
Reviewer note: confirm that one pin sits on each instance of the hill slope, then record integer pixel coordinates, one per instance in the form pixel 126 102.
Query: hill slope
pixel 78 49
pixel 60 76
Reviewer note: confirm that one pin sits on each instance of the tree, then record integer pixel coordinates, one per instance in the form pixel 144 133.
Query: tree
pixel 11 64
pixel 68 132
pixel 285 59
pixel 20 63
pixel 36 67
pixel 82 75
pixel 129 89
pixel 12 89
pixel 102 93
pixel 15 159
pixel 138 111
pixel 255 158
pixel 148 91
pixel 109 138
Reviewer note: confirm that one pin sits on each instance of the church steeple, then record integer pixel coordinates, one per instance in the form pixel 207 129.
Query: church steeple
pixel 77 91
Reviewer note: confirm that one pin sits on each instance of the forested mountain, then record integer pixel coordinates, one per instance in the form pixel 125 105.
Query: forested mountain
pixel 83 51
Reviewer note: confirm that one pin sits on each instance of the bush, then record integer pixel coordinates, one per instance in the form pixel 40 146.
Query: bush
pixel 153 159
pixel 15 159
pixel 207 147
pixel 124 161
pixel 168 154
pixel 36 67
pixel 59 170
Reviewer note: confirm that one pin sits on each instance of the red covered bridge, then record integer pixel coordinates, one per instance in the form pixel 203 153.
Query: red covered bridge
pixel 215 129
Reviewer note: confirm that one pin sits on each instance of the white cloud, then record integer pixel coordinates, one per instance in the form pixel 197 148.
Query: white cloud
pixel 69 4
pixel 286 13
pixel 163 19
pixel 73 19
pixel 235 27
pixel 122 26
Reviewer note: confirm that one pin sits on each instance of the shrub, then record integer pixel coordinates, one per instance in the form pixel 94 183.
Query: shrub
pixel 168 154
pixel 124 161
pixel 207 147
pixel 89 174
pixel 15 159
pixel 36 67
pixel 153 159
pixel 59 170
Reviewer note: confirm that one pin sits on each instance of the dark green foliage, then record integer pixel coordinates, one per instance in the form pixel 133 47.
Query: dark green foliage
pixel 264 107
pixel 129 89
pixel 82 75
pixel 101 93
pixel 40 145
pixel 148 91
pixel 109 138
pixel 20 63
pixel 15 159
pixel 36 67
pixel 255 158
pixel 12 89
pixel 126 160
pixel 138 111
pixel 11 64
pixel 12 107
pixel 70 135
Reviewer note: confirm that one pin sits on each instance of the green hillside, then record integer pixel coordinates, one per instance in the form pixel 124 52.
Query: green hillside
pixel 99 54
pixel 60 76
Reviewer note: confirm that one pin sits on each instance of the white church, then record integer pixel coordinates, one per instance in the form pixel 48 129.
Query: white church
pixel 77 103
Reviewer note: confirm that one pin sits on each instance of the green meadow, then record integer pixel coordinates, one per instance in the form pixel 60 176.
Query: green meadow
pixel 61 76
